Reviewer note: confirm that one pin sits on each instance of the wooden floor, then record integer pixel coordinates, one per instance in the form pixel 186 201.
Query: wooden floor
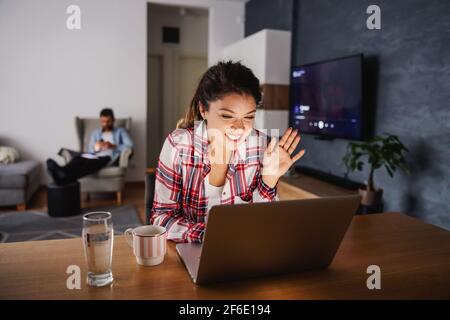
pixel 133 194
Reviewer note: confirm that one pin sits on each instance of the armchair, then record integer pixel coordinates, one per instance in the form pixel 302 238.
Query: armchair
pixel 109 179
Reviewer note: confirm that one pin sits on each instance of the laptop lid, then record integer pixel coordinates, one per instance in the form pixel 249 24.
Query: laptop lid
pixel 250 240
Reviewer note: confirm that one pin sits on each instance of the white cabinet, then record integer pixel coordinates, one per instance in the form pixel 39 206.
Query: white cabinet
pixel 268 54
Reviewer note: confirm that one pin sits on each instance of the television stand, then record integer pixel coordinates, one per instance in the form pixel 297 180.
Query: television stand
pixel 310 183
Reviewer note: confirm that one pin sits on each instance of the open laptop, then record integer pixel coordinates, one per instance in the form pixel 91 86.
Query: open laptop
pixel 248 240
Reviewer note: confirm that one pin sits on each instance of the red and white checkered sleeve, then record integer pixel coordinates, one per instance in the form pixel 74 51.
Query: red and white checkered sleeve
pixel 167 208
pixel 262 192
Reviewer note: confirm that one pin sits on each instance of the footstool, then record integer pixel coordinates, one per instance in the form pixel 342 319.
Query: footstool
pixel 63 201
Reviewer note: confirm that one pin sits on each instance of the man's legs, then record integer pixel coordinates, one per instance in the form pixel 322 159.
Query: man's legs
pixel 78 167
pixel 69 152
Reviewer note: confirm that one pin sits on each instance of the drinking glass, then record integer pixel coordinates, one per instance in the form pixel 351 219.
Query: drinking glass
pixel 98 236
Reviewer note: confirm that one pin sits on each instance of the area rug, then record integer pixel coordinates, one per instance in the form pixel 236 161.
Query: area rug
pixel 36 225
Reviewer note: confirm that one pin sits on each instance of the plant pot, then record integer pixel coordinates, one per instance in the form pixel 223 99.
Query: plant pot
pixel 370 198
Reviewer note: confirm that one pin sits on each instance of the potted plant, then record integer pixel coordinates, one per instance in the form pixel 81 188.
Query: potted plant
pixel 386 150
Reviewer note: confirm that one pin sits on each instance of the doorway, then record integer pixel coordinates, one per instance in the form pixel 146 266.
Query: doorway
pixel 174 68
pixel 191 69
pixel 154 110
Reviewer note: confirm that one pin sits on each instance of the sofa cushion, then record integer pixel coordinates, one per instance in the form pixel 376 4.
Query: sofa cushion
pixel 17 175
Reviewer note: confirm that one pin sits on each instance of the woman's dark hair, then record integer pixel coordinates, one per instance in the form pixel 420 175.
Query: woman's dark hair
pixel 107 112
pixel 218 81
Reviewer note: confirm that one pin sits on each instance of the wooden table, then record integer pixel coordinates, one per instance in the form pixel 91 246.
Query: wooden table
pixel 414 258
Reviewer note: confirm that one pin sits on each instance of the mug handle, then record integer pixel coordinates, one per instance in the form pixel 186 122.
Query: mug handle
pixel 129 236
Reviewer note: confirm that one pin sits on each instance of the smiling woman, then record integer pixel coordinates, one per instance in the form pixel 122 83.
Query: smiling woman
pixel 215 156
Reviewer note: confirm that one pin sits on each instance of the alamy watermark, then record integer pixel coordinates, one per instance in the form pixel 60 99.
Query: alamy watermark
pixel 73 21
pixel 374 280
pixel 74 279
pixel 373 22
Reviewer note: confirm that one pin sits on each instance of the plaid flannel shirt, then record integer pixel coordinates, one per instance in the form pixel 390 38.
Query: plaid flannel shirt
pixel 180 204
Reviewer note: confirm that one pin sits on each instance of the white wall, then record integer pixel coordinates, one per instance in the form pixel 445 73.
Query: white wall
pixel 49 74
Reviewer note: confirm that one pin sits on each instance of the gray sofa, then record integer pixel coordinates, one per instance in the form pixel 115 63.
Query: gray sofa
pixel 18 182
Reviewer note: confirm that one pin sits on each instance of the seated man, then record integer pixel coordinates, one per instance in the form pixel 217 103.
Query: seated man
pixel 105 146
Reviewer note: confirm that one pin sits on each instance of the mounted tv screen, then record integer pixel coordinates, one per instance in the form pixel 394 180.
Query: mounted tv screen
pixel 326 98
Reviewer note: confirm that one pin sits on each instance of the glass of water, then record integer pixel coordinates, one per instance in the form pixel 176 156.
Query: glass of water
pixel 98 237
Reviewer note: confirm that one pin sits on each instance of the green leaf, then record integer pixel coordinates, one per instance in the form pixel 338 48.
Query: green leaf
pixel 384 150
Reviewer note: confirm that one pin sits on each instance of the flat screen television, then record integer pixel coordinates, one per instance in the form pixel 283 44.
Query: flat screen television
pixel 326 98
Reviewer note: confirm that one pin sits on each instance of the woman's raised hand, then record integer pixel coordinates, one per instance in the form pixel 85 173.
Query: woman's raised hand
pixel 278 157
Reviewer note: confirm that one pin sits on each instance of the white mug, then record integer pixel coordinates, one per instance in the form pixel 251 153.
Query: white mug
pixel 148 243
